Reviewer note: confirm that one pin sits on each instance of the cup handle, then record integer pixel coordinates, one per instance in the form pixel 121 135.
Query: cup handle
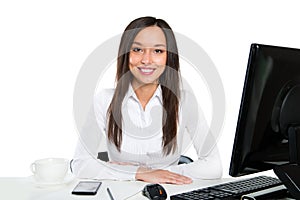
pixel 32 168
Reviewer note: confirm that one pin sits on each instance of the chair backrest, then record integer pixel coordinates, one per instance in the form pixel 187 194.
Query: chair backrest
pixel 103 156
pixel 184 160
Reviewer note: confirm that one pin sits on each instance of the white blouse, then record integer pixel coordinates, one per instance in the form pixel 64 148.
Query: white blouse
pixel 142 140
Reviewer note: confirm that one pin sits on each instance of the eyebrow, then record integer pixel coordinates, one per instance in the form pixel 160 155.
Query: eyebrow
pixel 156 45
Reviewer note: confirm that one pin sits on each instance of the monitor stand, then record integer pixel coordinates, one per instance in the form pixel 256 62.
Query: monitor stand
pixel 294 144
pixel 290 174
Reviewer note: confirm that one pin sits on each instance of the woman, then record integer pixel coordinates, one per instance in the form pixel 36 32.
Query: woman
pixel 144 119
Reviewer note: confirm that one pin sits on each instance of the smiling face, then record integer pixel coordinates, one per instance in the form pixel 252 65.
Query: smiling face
pixel 148 56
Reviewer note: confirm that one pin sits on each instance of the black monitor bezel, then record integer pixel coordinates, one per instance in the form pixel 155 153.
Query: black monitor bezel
pixel 237 157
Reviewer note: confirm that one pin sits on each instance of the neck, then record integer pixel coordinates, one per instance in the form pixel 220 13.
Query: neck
pixel 144 92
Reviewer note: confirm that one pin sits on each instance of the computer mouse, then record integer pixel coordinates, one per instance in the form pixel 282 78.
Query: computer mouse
pixel 155 192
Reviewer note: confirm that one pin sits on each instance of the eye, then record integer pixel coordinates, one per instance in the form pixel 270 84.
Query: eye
pixel 136 49
pixel 159 51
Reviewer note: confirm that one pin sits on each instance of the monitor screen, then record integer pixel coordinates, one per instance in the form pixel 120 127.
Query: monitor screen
pixel 261 140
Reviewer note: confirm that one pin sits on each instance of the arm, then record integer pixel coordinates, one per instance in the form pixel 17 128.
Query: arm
pixel 208 165
pixel 92 139
pixel 86 165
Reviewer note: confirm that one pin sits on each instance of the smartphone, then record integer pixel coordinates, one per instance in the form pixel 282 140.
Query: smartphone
pixel 87 188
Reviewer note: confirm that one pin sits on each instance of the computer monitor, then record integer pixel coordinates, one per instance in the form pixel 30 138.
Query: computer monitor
pixel 269 117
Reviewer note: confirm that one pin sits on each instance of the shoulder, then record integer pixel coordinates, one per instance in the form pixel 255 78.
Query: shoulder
pixel 107 92
pixel 103 97
pixel 104 93
pixel 187 97
pixel 189 105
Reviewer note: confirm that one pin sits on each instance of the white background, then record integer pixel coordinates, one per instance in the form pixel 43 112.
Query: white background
pixel 43 45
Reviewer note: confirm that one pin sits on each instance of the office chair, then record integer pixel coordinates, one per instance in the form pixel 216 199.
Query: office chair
pixel 182 160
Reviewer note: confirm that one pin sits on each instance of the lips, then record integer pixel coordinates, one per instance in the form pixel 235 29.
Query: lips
pixel 146 70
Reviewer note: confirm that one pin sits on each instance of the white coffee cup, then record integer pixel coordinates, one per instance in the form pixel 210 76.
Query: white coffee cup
pixel 50 170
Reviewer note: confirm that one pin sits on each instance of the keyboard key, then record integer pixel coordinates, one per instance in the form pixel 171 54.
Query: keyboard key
pixel 230 190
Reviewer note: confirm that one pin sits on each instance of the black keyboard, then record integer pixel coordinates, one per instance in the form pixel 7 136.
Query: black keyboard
pixel 230 190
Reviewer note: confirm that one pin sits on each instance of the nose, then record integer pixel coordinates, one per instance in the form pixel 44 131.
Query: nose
pixel 146 58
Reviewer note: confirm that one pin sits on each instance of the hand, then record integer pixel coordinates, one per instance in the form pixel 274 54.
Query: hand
pixel 161 176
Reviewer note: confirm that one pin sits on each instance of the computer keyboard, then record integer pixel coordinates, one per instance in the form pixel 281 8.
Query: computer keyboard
pixel 230 190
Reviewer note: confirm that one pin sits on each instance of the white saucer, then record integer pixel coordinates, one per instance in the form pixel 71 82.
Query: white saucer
pixel 68 179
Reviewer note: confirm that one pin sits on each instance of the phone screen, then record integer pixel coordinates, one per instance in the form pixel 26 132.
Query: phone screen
pixel 86 188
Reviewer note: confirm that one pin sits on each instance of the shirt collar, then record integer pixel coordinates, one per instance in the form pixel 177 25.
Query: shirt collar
pixel 158 93
pixel 131 93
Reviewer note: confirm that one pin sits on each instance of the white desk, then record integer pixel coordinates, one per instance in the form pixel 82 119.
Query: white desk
pixel 25 188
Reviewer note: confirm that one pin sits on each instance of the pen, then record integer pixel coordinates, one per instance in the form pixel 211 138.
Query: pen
pixel 110 194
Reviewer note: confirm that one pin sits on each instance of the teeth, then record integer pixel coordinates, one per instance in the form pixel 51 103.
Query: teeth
pixel 146 70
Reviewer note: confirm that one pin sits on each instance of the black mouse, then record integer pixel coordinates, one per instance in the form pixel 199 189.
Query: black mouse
pixel 155 192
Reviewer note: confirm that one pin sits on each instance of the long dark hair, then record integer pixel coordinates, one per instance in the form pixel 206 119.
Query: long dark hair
pixel 169 82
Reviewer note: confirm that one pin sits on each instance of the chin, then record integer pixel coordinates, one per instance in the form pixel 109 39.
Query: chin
pixel 144 82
